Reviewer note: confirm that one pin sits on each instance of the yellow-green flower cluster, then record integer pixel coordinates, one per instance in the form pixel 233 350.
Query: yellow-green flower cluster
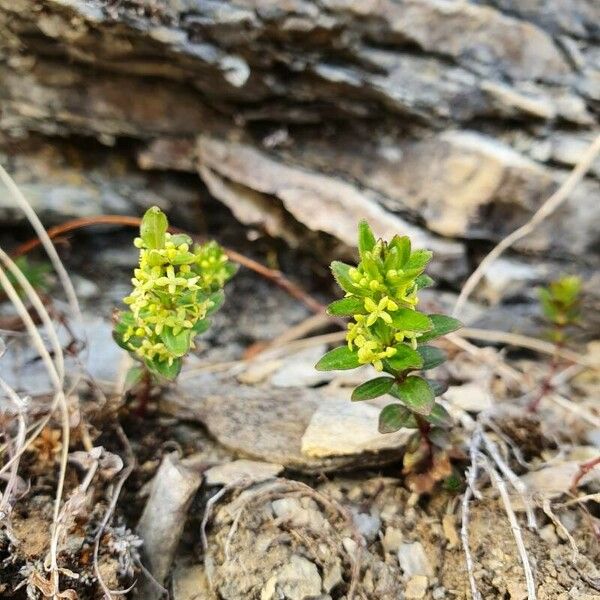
pixel 381 296
pixel 175 287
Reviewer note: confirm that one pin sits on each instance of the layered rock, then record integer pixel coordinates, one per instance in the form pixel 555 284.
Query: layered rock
pixel 448 121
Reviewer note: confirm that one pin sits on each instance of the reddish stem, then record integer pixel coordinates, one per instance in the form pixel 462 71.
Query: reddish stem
pixel 143 394
pixel 584 469
pixel 547 383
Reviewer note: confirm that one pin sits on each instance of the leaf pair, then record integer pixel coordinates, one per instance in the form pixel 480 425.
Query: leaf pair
pixel 396 416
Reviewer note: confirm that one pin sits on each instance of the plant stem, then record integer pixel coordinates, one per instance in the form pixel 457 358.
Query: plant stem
pixel 554 364
pixel 584 469
pixel 143 394
pixel 424 429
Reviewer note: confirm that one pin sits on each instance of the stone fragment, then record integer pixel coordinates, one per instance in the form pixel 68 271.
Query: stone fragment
pixel 292 510
pixel 298 369
pixel 472 397
pixel 392 540
pixel 333 576
pixel 190 583
pixel 342 428
pixel 297 580
pixel 164 516
pixel 247 470
pixel 416 587
pixel 413 560
pixel 368 524
pixel 555 480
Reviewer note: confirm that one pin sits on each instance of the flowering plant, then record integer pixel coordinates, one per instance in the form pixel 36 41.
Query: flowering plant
pixel 388 332
pixel 176 287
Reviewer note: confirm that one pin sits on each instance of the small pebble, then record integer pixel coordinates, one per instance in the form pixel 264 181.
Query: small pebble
pixel 416 587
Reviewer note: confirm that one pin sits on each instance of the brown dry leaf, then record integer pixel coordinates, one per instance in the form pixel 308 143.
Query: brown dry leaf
pixel 47 445
pixel 42 584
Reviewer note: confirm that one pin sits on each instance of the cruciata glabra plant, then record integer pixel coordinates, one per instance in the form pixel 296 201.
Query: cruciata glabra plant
pixel 176 287
pixel 561 307
pixel 388 332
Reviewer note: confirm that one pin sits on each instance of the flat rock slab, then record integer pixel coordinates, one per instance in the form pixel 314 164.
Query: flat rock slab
pixel 341 427
pixel 266 423
pixel 241 470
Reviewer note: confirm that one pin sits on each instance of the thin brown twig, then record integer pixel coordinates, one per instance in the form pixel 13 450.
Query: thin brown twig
pixel 273 275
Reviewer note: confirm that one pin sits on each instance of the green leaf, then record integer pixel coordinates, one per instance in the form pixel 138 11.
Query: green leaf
pixel 153 228
pixel 432 357
pixel 133 376
pixel 419 259
pixel 441 326
pixel 366 239
pixel 201 326
pixel 424 281
pixel 373 388
pixel 438 387
pixel 340 272
pixel 439 416
pixel 371 267
pixel 177 344
pixel 338 359
pixel 399 246
pixel 405 358
pixel 346 307
pixel 217 300
pixel 164 369
pixel 410 320
pixel 125 319
pixel 181 238
pixel 394 417
pixel 415 393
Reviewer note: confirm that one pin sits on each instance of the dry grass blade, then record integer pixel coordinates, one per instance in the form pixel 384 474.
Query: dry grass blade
pixel 464 529
pixel 59 401
pixel 545 210
pixel 522 341
pixel 19 442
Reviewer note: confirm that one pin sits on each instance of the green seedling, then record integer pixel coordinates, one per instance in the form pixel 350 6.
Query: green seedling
pixel 36 273
pixel 561 307
pixel 177 286
pixel 389 333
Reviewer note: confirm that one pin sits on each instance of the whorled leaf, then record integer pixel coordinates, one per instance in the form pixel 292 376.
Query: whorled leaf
pixel 338 359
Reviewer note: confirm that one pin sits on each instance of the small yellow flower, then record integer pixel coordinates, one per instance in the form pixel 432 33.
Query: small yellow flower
pixel 377 311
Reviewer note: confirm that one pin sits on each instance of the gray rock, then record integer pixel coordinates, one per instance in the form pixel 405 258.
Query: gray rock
pixel 339 427
pixel 368 524
pixel 298 580
pixel 241 470
pixel 293 511
pixel 320 203
pixel 266 423
pixel 413 560
pixel 163 519
pixel 440 129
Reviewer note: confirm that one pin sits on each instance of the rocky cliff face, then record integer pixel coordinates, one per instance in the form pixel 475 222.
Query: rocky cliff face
pixel 449 120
